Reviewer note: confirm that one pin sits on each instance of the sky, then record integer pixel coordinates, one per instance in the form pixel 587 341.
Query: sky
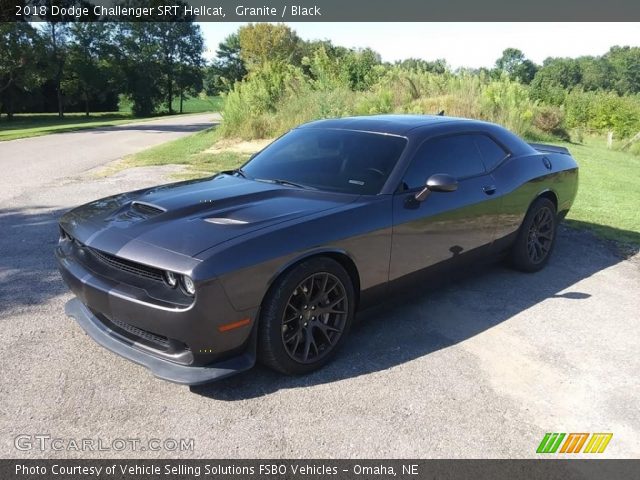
pixel 470 45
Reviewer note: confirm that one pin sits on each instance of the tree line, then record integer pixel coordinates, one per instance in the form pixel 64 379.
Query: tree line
pixel 254 45
pixel 88 66
pixel 73 66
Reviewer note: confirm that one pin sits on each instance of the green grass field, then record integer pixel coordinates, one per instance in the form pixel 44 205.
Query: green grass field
pixel 33 125
pixel 608 201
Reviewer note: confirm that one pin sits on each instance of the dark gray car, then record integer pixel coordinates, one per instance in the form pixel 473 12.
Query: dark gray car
pixel 197 279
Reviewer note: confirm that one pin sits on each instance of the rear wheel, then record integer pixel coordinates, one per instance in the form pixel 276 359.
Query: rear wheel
pixel 306 316
pixel 536 238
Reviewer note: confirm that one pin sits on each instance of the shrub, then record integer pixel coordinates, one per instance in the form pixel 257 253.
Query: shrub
pixel 507 102
pixel 550 120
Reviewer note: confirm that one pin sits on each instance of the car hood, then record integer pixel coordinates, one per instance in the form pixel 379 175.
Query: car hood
pixel 189 217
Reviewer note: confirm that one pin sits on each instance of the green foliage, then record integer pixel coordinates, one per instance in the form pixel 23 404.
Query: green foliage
pixel 507 102
pixel 20 48
pixel 227 69
pixel 335 81
pixel 625 62
pixel 604 111
pixel 516 66
pixel 250 105
pixel 262 43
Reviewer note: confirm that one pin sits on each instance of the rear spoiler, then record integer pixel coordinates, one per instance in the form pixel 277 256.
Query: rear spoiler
pixel 542 147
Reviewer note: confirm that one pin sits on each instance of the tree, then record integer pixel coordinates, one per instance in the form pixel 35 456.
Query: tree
pixel 358 65
pixel 181 47
pixel 265 42
pixel 596 73
pixel 158 58
pixel 227 68
pixel 55 35
pixel 555 79
pixel 190 62
pixel 626 65
pixel 139 62
pixel 19 47
pixel 516 65
pixel 90 70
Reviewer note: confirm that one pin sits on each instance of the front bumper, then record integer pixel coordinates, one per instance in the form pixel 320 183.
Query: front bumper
pixel 180 343
pixel 161 368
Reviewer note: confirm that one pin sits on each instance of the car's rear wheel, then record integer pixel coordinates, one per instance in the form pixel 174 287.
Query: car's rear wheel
pixel 536 238
pixel 306 316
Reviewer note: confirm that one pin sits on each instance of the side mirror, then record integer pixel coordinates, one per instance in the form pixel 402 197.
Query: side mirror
pixel 439 182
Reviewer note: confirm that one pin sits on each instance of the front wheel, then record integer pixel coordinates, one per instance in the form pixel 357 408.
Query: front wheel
pixel 536 238
pixel 306 316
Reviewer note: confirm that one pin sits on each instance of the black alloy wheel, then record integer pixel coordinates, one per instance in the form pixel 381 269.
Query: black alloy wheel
pixel 314 317
pixel 540 237
pixel 536 237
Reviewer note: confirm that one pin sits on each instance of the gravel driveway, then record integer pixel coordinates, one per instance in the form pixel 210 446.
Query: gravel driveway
pixel 483 367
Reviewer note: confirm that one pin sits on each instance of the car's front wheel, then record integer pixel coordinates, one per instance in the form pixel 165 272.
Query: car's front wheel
pixel 536 238
pixel 306 316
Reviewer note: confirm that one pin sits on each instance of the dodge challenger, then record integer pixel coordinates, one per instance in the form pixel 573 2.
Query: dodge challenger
pixel 197 280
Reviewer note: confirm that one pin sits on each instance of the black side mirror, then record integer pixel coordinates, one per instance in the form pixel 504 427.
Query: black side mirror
pixel 439 182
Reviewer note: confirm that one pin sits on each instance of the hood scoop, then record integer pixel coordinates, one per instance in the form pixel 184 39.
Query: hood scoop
pixel 137 210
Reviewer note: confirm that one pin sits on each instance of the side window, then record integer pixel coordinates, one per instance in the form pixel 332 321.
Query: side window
pixel 456 155
pixel 492 153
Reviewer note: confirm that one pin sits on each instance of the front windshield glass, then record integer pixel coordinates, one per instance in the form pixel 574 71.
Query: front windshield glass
pixel 329 159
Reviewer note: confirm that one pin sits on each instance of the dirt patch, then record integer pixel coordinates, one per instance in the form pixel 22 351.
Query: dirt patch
pixel 246 147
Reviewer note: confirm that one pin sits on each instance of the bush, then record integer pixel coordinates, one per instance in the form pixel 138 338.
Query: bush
pixel 278 96
pixel 550 120
pixel 601 112
pixel 507 102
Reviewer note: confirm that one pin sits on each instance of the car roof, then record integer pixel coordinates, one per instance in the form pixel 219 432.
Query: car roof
pixel 391 124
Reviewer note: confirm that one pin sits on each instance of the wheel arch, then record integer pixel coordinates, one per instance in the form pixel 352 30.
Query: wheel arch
pixel 342 257
pixel 548 194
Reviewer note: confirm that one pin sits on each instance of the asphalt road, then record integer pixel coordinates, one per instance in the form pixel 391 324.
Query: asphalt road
pixel 483 367
pixel 29 163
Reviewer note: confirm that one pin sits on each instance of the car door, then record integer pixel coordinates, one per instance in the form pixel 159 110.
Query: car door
pixel 446 224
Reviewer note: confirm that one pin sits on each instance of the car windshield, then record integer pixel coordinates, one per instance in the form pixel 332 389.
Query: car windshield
pixel 328 159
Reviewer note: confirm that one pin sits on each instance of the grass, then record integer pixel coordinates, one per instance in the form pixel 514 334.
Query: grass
pixel 607 201
pixel 190 151
pixel 34 125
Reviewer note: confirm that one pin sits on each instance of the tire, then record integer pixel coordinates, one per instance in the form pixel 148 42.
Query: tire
pixel 536 238
pixel 300 329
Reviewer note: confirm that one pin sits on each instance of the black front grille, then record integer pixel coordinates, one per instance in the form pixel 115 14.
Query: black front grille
pixel 127 265
pixel 153 338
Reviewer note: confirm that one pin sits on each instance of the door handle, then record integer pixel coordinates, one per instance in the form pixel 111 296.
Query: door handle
pixel 489 189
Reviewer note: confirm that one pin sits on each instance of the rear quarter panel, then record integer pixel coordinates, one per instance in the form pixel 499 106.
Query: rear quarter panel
pixel 522 179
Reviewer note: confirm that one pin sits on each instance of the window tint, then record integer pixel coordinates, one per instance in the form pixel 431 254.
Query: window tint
pixel 492 153
pixel 455 155
pixel 339 160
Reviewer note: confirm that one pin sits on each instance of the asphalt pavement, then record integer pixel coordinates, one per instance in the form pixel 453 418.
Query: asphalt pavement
pixel 29 163
pixel 479 368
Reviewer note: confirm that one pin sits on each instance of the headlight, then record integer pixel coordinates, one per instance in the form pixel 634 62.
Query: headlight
pixel 171 279
pixel 188 286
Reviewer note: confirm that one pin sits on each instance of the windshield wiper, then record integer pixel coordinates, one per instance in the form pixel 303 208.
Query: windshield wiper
pixel 240 172
pixel 284 182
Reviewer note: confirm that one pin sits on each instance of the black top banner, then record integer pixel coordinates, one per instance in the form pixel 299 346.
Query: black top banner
pixel 321 10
